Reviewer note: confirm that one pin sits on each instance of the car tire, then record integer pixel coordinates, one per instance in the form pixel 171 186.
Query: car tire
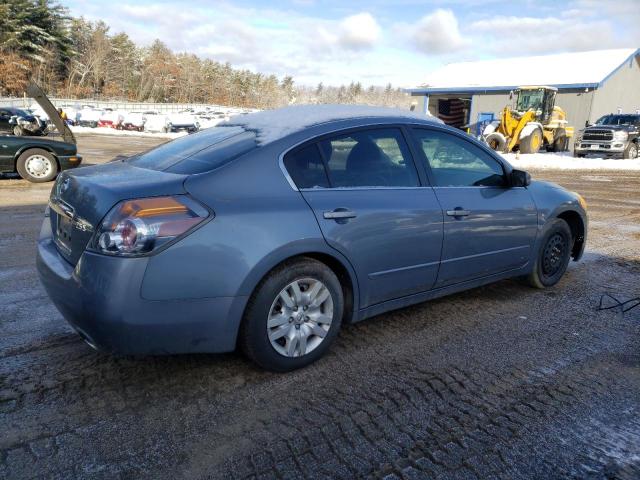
pixel 553 256
pixel 532 142
pixel 496 141
pixel 284 329
pixel 18 131
pixel 632 151
pixel 560 144
pixel 37 165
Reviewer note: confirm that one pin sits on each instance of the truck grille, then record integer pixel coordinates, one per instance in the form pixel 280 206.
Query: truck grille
pixel 598 135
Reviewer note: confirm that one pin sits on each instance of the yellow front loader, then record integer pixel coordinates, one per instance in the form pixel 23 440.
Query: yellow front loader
pixel 533 122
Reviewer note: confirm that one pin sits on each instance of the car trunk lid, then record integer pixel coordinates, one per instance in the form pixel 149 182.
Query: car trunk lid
pixel 81 198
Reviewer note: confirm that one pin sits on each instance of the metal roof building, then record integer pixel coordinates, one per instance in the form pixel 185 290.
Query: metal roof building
pixel 590 84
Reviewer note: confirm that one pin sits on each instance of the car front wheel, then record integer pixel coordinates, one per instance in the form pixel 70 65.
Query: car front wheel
pixel 293 316
pixel 553 256
pixel 632 151
pixel 37 165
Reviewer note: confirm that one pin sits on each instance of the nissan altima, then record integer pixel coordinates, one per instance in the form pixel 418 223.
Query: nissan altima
pixel 269 232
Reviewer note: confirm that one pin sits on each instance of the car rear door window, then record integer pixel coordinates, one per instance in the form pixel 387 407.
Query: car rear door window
pixel 306 168
pixel 456 162
pixel 369 158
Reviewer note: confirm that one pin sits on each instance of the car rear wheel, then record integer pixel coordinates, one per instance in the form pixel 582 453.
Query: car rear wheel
pixel 560 144
pixel 553 256
pixel 293 316
pixel 37 165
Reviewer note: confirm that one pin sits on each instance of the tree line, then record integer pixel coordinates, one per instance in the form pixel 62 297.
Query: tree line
pixel 76 58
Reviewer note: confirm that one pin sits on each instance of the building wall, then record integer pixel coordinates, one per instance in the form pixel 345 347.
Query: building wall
pixel 577 105
pixel 620 90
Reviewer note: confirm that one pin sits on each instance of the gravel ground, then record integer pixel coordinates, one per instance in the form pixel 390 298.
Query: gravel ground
pixel 502 381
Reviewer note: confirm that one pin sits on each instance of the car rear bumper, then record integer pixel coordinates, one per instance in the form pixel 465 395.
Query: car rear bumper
pixel 100 298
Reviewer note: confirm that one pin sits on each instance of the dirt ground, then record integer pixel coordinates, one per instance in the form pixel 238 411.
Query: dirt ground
pixel 502 381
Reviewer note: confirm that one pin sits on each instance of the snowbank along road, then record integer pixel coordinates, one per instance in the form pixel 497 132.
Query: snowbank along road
pixel 500 382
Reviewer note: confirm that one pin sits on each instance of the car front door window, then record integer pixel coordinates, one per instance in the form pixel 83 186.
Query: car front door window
pixel 455 162
pixel 489 228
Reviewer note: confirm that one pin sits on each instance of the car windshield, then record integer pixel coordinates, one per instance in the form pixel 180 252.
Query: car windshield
pixel 200 152
pixel 530 99
pixel 618 120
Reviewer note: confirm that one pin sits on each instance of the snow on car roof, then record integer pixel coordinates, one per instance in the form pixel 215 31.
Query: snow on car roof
pixel 576 68
pixel 271 125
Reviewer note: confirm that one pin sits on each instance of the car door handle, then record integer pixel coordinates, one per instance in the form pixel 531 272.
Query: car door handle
pixel 339 214
pixel 458 212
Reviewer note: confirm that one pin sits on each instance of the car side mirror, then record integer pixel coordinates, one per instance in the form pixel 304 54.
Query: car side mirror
pixel 587 124
pixel 520 178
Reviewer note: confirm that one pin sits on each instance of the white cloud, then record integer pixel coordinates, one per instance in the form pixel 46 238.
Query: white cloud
pixel 438 33
pixel 359 31
pixel 539 35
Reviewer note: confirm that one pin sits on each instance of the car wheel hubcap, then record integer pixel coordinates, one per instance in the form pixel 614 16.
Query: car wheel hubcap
pixel 300 317
pixel 38 166
pixel 553 255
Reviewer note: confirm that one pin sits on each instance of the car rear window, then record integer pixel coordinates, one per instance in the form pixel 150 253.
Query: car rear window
pixel 198 153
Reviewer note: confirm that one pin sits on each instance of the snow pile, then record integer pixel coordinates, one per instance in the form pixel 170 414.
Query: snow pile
pixel 565 161
pixel 271 125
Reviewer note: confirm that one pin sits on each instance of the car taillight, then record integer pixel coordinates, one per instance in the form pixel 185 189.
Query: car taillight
pixel 139 226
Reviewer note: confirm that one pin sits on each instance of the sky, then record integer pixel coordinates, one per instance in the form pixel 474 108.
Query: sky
pixel 374 42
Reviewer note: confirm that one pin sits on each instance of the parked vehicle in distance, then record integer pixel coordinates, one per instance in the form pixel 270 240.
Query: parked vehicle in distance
pixel 133 121
pixel 20 122
pixel 155 122
pixel 271 231
pixel 89 118
pixel 111 119
pixel 181 122
pixel 611 135
pixel 36 159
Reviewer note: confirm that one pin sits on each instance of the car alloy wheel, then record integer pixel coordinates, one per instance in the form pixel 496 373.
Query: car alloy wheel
pixel 38 166
pixel 300 317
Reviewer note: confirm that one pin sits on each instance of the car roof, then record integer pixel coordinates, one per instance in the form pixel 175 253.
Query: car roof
pixel 272 125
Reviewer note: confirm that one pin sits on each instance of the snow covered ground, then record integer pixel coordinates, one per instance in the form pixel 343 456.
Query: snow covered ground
pixel 566 161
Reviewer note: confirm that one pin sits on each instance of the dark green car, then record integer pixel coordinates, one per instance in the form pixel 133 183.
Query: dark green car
pixel 39 159
pixel 36 159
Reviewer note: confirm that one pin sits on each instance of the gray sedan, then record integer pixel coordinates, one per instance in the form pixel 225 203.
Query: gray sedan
pixel 272 230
